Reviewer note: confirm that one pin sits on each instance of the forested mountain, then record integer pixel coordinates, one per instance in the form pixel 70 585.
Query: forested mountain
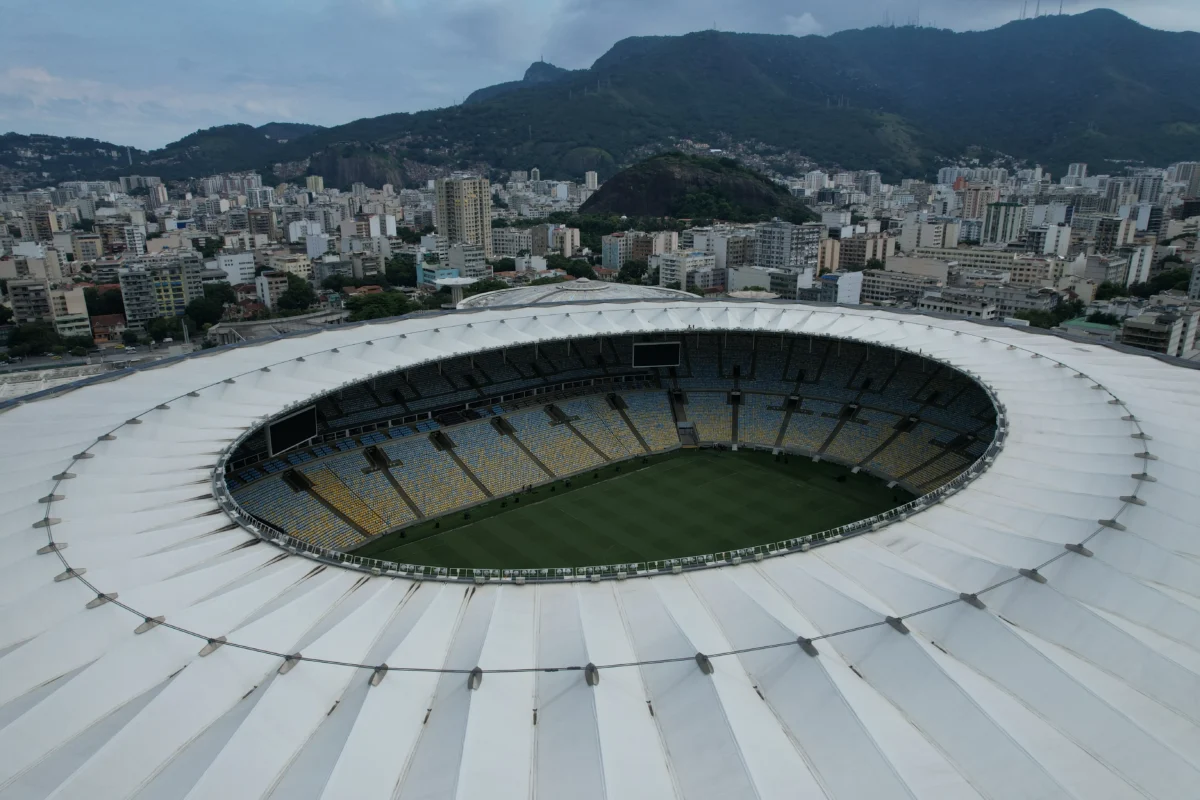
pixel 690 187
pixel 1088 87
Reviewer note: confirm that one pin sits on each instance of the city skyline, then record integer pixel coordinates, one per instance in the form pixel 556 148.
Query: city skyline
pixel 307 65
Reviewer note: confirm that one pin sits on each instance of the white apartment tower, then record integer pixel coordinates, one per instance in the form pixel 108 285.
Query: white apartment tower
pixel 464 211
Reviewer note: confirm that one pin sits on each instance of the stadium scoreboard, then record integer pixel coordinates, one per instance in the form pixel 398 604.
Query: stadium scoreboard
pixel 294 429
pixel 655 354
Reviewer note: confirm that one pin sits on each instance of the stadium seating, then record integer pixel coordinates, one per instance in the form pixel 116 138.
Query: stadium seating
pixel 556 446
pixel 298 514
pixel 769 370
pixel 430 477
pixel 809 427
pixel 650 413
pixel 860 436
pixel 712 415
pixel 495 459
pixel 327 482
pixel 935 474
pixel 760 418
pixel 907 451
pixel 738 351
pixel 703 371
pixel 603 427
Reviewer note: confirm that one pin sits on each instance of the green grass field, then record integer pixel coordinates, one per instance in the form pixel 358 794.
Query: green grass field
pixel 687 502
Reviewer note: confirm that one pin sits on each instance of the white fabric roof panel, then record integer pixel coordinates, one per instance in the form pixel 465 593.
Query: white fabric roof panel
pixel 1083 686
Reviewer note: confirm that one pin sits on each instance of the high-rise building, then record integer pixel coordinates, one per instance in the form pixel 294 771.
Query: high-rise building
pixel 134 239
pixel 68 308
pixel 238 267
pixel 464 211
pixel 271 286
pixel 160 286
pixel 690 269
pixel 780 244
pixel 1003 223
pixel 591 181
pixel 535 174
pixel 156 196
pixel 87 246
pixel 314 183
pixel 260 197
pixel 30 300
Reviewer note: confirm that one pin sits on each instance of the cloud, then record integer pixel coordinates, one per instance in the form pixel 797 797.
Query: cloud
pixel 804 25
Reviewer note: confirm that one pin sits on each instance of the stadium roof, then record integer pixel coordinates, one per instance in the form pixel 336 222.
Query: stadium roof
pixel 149 648
pixel 580 290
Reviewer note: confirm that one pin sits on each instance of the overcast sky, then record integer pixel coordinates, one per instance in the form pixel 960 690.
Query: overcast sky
pixel 146 73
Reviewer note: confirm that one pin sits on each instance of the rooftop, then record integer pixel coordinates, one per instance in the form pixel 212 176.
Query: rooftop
pixel 580 290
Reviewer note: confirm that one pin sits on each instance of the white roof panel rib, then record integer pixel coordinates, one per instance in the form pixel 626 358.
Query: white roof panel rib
pixel 1081 679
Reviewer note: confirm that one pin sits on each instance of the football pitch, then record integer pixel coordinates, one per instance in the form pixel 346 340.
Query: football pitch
pixel 688 502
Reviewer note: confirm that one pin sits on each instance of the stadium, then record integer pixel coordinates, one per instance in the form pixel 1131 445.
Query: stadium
pixel 608 544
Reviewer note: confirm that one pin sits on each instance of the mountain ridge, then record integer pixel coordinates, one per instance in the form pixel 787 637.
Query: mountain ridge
pixel 900 100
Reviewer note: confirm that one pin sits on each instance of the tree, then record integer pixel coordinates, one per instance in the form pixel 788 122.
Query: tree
pixel 298 296
pixel 505 265
pixel 401 270
pixel 205 311
pixel 547 280
pixel 1108 290
pixel 6 314
pixel 78 352
pixel 632 272
pixel 33 337
pixel 1177 279
pixel 168 327
pixel 1101 318
pixel 874 263
pixel 129 337
pixel 408 235
pixel 220 291
pixel 86 225
pixel 378 306
pixel 485 285
pixel 210 247
pixel 499 223
pixel 107 302
pixel 1037 318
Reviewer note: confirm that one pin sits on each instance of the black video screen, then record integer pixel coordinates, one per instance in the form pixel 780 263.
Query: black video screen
pixel 656 354
pixel 292 430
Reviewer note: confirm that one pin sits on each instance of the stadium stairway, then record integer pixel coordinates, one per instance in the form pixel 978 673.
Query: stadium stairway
pixel 338 513
pixel 588 442
pixel 633 428
pixel 529 453
pixel 891 438
pixel 465 469
pixel 733 423
pixel 787 418
pixel 832 435
pixel 408 501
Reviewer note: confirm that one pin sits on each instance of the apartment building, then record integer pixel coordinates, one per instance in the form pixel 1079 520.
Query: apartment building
pixel 160 286
pixel 689 269
pixel 463 211
pixel 884 286
pixel 780 244
pixel 855 251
